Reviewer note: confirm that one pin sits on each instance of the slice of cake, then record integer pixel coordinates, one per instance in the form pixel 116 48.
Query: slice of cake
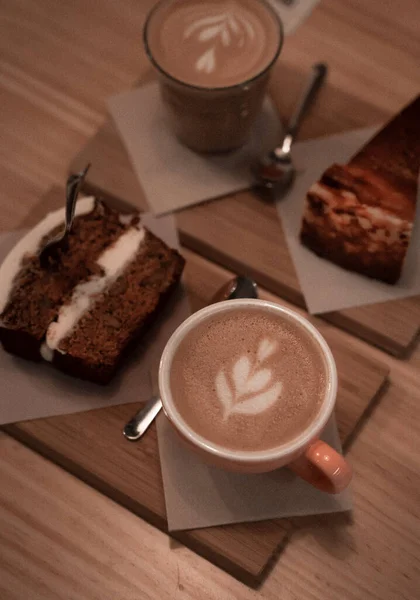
pixel 361 215
pixel 82 312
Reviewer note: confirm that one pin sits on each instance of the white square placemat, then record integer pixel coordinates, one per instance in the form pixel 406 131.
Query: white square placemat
pixel 198 495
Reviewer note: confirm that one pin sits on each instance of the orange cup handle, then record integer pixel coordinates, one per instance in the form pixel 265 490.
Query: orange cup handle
pixel 323 467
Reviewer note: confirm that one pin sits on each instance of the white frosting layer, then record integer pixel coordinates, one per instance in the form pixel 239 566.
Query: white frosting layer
pixel 126 219
pixel 29 245
pixel 116 257
pixel 46 353
pixel 113 261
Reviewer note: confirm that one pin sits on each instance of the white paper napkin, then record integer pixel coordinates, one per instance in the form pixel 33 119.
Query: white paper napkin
pixel 198 495
pixel 35 390
pixel 171 175
pixel 293 14
pixel 326 286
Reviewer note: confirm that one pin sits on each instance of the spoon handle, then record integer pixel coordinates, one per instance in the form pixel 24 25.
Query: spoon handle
pixel 74 183
pixel 319 71
pixel 142 420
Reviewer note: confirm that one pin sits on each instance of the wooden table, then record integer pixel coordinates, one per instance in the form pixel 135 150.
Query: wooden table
pixel 60 539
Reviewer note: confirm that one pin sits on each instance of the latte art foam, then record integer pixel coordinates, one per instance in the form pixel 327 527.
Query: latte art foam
pixel 250 389
pixel 227 29
pixel 213 43
pixel 248 379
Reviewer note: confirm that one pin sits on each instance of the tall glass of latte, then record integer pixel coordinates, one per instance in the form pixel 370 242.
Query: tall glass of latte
pixel 213 58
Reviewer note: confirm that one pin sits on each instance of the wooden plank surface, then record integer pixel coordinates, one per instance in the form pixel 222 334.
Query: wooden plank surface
pixel 90 445
pixel 59 538
pixel 244 234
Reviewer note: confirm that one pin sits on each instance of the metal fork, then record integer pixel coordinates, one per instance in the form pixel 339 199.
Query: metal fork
pixel 74 183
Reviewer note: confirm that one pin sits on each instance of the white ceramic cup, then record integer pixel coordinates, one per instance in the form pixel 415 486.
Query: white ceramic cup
pixel 307 455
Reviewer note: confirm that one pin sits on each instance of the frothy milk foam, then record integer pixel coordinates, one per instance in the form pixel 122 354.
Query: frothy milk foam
pixel 213 43
pixel 248 379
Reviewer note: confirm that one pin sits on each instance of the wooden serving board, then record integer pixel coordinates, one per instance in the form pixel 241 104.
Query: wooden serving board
pixel 91 446
pixel 244 234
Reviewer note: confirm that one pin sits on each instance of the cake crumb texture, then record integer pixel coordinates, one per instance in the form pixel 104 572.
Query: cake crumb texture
pixel 361 215
pixel 113 319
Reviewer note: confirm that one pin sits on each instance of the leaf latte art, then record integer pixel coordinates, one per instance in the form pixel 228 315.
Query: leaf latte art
pixel 213 43
pixel 250 389
pixel 226 29
pixel 248 379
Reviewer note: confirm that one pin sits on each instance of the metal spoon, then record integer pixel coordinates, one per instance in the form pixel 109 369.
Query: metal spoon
pixel 239 287
pixel 49 251
pixel 275 172
pixel 141 421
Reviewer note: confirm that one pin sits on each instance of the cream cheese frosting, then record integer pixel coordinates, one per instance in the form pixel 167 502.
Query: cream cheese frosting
pixel 113 262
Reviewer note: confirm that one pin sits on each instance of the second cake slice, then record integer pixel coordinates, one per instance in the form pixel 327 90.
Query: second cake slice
pixel 361 215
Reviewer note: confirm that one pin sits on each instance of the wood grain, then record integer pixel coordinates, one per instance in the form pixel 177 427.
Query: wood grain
pixel 90 445
pixel 130 475
pixel 59 538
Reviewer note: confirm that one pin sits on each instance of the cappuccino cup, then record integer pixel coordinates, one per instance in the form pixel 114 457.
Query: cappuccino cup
pixel 213 59
pixel 250 385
